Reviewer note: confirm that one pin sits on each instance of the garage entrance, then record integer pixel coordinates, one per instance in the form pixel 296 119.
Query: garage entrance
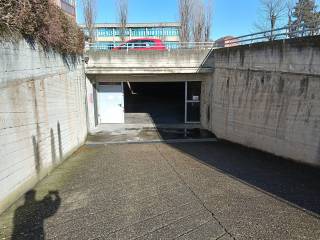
pixel 163 102
pixel 148 102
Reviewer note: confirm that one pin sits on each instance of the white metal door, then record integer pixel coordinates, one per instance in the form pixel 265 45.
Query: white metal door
pixel 111 103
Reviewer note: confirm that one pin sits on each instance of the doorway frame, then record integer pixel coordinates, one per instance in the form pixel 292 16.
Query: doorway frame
pixel 190 101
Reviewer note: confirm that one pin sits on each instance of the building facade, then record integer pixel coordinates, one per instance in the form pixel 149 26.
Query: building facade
pixel 109 35
pixel 227 41
pixel 68 6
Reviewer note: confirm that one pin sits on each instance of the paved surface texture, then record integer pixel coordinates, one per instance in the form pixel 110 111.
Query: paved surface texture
pixel 132 133
pixel 210 190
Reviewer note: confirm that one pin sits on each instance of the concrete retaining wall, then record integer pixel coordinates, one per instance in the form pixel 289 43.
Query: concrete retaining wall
pixel 42 115
pixel 267 96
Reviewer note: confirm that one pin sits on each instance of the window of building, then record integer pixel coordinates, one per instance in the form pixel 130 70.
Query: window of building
pixel 103 45
pixel 68 6
pixel 104 32
pixel 138 32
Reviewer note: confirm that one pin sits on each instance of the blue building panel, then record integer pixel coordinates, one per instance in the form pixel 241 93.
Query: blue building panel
pixel 104 32
pixel 139 32
pixel 108 35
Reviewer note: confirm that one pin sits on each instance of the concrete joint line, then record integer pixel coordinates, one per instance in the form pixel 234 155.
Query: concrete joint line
pixel 269 71
pixel 165 225
pixel 196 196
pixel 122 196
pixel 129 225
pixel 194 229
pixel 104 210
pixel 28 79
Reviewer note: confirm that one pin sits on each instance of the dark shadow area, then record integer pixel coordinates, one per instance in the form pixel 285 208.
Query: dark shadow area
pixel 30 41
pixel 70 61
pixel 164 102
pixel 29 218
pixel 53 146
pixel 36 153
pixel 287 180
pixel 95 100
pixel 59 141
pixel 181 133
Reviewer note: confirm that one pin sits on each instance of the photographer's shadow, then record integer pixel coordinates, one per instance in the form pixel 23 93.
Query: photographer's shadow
pixel 29 218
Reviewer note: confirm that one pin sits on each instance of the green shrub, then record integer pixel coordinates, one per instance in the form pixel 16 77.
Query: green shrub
pixel 42 21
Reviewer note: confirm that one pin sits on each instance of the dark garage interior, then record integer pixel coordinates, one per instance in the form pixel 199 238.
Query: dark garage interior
pixel 163 101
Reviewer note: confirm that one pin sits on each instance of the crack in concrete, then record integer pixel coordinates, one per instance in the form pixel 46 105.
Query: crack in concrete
pixel 225 234
pixel 195 195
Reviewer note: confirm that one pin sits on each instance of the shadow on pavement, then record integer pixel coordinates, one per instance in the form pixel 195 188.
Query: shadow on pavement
pixel 29 218
pixel 183 133
pixel 293 182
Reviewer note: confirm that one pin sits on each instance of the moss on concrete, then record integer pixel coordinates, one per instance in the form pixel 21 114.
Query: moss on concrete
pixel 55 181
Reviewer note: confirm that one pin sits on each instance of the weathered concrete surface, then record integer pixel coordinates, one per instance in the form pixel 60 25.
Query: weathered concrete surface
pixel 184 191
pixel 176 77
pixel 140 128
pixel 149 62
pixel 267 96
pixel 42 115
pixel 137 133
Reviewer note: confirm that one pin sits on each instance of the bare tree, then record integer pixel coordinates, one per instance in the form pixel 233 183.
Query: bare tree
pixel 90 13
pixel 208 23
pixel 195 20
pixel 290 11
pixel 185 11
pixel 123 17
pixel 198 21
pixel 271 13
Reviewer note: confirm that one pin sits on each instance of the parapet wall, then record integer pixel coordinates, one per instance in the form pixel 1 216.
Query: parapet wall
pixel 42 115
pixel 267 96
pixel 175 61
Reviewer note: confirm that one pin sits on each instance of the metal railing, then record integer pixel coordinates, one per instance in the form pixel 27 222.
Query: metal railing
pixel 287 32
pixel 100 46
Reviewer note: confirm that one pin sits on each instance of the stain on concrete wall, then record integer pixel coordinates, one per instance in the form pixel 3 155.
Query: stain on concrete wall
pixel 267 96
pixel 53 147
pixel 42 115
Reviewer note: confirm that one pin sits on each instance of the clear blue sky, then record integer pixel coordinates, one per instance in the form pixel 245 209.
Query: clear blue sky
pixel 231 17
